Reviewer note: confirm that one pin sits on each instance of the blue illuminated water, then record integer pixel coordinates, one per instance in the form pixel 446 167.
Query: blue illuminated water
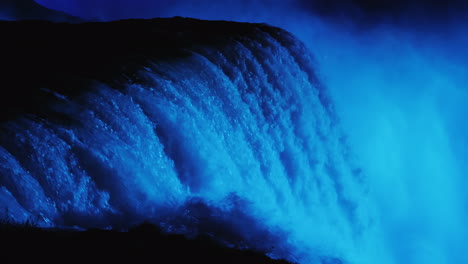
pixel 377 176
pixel 245 131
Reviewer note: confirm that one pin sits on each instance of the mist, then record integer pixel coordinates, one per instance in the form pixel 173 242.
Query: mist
pixel 397 76
pixel 400 96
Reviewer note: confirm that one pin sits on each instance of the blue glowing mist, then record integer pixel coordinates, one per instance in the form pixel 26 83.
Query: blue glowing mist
pixel 399 96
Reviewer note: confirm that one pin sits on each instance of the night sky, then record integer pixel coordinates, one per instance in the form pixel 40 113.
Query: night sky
pixel 361 10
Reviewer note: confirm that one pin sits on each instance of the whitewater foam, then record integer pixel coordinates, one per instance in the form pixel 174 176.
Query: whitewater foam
pixel 238 137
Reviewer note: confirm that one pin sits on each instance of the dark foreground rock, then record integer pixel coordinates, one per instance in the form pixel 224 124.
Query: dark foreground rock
pixel 142 244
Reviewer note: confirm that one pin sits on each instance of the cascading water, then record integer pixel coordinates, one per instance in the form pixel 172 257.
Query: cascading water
pixel 236 138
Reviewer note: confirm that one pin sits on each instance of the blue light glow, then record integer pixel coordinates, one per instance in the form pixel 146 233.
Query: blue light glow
pixel 253 126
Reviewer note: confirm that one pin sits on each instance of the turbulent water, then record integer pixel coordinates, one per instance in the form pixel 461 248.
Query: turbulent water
pixel 239 141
